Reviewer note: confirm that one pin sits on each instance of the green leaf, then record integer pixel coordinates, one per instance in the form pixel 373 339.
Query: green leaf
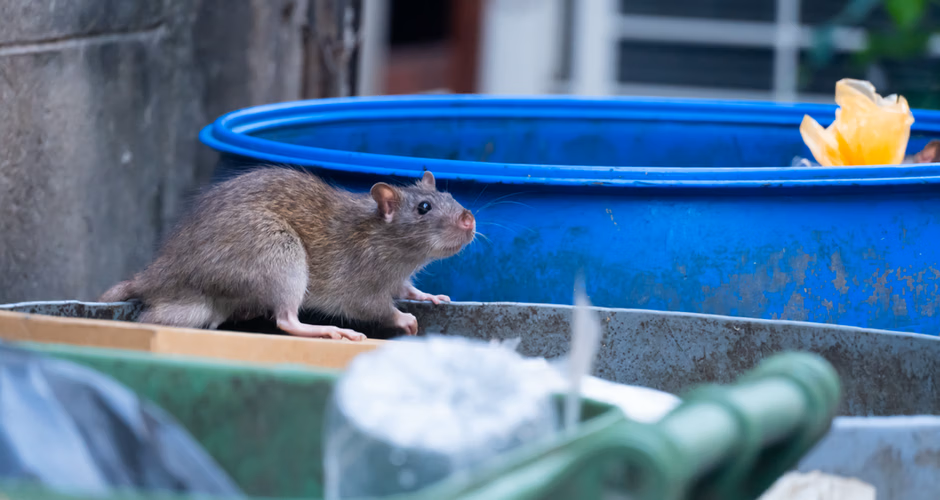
pixel 906 13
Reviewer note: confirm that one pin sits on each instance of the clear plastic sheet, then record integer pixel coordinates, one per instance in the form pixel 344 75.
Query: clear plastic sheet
pixel 77 431
pixel 641 404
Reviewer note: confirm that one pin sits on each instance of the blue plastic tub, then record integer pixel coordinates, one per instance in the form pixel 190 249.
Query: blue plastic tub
pixel 674 205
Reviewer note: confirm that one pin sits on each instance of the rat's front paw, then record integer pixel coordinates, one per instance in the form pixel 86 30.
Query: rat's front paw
pixel 407 322
pixel 413 293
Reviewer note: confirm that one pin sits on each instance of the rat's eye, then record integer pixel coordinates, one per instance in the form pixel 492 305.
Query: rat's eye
pixel 424 207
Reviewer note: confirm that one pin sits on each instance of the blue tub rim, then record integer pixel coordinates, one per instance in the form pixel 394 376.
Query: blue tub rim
pixel 229 135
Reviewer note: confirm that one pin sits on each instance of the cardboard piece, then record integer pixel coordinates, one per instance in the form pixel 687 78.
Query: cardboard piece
pixel 259 348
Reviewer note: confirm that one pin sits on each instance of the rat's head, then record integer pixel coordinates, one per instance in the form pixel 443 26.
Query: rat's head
pixel 432 219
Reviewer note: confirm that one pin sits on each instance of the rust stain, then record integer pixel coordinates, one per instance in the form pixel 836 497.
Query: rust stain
pixel 890 291
pixel 751 287
pixel 836 266
pixel 881 292
pixel 794 309
pixel 929 309
pixel 898 305
pixel 780 270
pixel 909 279
pixel 910 293
pixel 921 298
pixel 799 263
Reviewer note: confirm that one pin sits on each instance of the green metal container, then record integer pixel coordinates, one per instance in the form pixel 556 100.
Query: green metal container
pixel 263 425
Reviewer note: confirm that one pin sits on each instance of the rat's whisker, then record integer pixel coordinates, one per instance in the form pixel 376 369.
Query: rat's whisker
pixel 501 198
pixel 507 202
pixel 475 200
pixel 514 225
pixel 502 226
pixel 518 226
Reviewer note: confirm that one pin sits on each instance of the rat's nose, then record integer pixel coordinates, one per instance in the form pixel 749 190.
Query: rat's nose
pixel 466 221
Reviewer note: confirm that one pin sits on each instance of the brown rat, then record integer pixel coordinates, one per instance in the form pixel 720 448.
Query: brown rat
pixel 277 240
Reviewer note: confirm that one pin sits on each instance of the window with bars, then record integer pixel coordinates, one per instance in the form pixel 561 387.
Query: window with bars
pixel 726 48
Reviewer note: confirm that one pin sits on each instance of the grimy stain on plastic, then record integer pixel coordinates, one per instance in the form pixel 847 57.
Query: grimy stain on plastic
pixel 814 279
pixel 787 271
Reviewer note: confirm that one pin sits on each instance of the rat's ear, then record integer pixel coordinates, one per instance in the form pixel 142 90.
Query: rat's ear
pixel 387 198
pixel 428 179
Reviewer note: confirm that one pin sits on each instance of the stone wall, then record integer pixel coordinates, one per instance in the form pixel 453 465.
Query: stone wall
pixel 101 102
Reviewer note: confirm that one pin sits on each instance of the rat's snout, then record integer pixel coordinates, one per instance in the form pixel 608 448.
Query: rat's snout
pixel 466 221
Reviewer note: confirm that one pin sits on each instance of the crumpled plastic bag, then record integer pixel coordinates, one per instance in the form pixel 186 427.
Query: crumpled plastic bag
pixel 868 129
pixel 77 431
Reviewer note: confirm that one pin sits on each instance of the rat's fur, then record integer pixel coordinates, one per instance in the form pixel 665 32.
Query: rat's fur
pixel 278 240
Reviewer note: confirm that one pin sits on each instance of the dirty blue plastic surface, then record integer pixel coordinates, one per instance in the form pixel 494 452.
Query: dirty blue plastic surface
pixel 677 205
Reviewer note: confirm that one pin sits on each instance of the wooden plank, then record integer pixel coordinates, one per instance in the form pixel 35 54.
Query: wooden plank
pixel 87 332
pixel 252 347
pixel 322 353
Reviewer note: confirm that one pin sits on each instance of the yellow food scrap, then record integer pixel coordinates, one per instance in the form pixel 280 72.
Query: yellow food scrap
pixel 868 129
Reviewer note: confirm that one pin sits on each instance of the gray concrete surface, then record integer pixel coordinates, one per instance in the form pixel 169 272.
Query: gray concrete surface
pixel 100 105
pixel 882 373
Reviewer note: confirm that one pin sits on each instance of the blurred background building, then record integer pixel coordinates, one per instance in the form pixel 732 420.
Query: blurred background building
pixel 741 49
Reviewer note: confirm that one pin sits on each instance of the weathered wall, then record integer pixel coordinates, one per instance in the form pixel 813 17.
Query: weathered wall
pixel 101 102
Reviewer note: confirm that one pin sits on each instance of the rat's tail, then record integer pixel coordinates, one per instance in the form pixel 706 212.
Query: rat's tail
pixel 119 293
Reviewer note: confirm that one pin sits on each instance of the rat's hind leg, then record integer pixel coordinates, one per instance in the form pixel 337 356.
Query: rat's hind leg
pixel 183 313
pixel 287 286
pixel 288 321
pixel 285 312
